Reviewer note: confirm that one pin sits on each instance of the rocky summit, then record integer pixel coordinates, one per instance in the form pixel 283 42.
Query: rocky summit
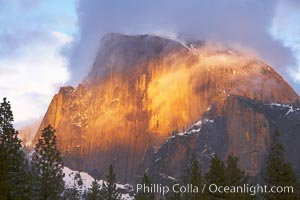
pixel 142 89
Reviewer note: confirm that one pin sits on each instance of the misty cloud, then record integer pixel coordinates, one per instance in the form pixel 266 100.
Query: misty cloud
pixel 285 28
pixel 244 23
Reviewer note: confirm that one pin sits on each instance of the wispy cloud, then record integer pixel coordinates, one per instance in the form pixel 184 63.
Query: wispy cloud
pixel 285 28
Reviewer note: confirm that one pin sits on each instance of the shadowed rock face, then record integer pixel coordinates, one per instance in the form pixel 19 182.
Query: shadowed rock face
pixel 245 130
pixel 248 134
pixel 141 88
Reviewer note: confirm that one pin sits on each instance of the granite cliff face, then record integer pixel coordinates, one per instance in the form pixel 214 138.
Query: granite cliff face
pixel 141 88
pixel 248 134
pixel 245 129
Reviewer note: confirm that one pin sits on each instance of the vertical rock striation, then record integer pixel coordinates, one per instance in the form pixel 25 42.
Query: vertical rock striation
pixel 143 87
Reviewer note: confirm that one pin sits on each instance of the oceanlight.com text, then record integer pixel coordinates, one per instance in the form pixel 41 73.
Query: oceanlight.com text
pixel 250 189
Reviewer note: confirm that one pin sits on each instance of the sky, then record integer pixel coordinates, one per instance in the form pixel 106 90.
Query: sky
pixel 33 36
pixel 45 44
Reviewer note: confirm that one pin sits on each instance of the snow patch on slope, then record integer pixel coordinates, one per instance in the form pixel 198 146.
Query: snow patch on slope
pixel 195 129
pixel 290 108
pixel 87 182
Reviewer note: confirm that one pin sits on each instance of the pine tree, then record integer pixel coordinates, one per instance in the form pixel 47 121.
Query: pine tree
pixel 175 195
pixel 216 175
pixel 4 180
pixel 94 192
pixel 193 177
pixel 236 177
pixel 110 189
pixel 280 173
pixel 228 174
pixel 15 177
pixel 145 196
pixel 47 167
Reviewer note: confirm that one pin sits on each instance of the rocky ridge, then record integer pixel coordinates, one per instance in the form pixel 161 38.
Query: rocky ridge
pixel 142 88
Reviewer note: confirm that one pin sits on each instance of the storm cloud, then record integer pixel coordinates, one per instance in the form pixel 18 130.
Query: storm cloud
pixel 245 23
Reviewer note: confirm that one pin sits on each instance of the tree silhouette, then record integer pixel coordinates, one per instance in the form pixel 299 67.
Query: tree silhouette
pixel 279 173
pixel 94 192
pixel 47 167
pixel 109 188
pixel 193 177
pixel 15 176
pixel 145 196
